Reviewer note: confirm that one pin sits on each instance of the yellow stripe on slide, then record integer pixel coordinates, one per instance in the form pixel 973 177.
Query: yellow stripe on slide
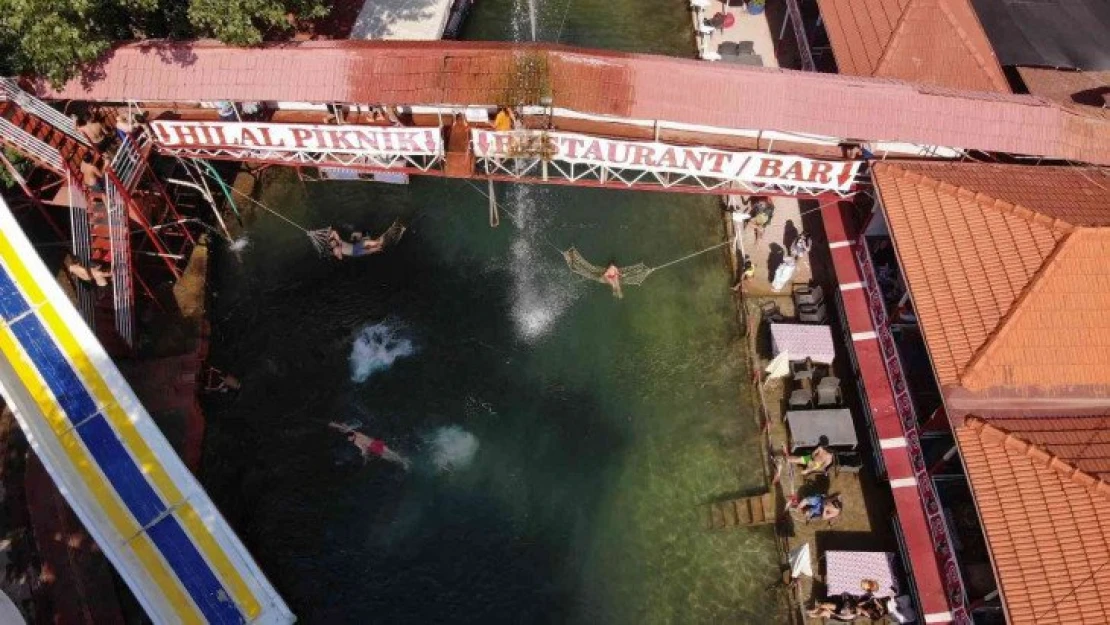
pixel 97 486
pixel 202 537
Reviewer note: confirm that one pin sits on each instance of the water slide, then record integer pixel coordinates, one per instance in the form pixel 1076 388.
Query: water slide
pixel 134 495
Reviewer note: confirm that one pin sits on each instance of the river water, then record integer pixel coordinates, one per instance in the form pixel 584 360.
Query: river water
pixel 562 440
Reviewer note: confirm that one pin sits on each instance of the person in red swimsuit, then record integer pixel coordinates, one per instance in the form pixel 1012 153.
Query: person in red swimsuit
pixel 369 446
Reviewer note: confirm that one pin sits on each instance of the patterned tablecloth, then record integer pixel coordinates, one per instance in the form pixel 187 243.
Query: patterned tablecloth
pixel 845 569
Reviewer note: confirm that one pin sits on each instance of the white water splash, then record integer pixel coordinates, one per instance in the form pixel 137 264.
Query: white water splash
pixel 240 244
pixel 377 347
pixel 452 448
pixel 542 287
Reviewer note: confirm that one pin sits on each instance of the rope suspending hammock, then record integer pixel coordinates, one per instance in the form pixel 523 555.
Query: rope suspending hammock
pixel 633 274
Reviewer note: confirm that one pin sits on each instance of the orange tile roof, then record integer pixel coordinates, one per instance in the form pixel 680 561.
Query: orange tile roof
pixel 1088 92
pixel 1082 441
pixel 1006 267
pixel 938 42
pixel 1045 524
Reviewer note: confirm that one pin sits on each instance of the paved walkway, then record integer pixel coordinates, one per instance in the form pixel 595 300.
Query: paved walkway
pixel 767 252
pixel 751 32
pixel 400 20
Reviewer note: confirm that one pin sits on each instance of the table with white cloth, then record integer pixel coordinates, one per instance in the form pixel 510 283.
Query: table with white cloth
pixel 803 341
pixel 845 569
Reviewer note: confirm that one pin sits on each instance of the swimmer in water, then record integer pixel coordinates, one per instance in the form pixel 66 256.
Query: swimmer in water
pixel 612 277
pixel 369 446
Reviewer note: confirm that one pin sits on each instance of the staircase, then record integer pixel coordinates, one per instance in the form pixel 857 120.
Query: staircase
pixel 100 224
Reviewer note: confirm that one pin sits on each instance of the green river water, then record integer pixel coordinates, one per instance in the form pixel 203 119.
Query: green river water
pixel 562 440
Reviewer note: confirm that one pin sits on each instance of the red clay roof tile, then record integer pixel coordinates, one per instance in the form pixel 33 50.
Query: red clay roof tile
pixel 1048 539
pixel 938 42
pixel 1005 267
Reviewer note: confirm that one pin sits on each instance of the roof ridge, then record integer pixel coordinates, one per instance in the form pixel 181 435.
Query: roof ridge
pixel 983 199
pixel 1004 325
pixel 984 64
pixel 1040 457
pixel 895 34
pixel 996 78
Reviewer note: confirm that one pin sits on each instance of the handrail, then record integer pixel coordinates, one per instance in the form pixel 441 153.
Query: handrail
pixel 128 160
pixel 10 90
pixel 80 245
pixel 119 237
pixel 796 23
pixel 47 154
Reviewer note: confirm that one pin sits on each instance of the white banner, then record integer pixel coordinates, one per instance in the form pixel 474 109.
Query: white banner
pixel 359 140
pixel 751 167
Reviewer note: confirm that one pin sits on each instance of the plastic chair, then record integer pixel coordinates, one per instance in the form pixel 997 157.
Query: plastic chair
pixel 801 398
pixel 828 391
pixel 810 313
pixel 805 295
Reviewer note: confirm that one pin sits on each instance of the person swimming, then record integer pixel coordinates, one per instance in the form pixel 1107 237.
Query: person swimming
pixel 360 244
pixel 369 446
pixel 612 277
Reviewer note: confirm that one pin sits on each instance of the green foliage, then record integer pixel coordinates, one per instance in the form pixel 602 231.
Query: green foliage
pixel 56 38
pixel 247 22
pixel 21 164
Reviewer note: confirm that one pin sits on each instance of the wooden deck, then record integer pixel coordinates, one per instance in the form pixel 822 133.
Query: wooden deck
pixel 742 512
pixel 751 32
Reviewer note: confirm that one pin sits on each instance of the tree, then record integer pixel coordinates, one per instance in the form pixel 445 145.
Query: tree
pixel 247 22
pixel 56 38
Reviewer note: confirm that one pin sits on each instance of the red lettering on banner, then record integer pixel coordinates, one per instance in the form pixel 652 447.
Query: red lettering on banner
pixel 319 134
pixel 642 155
pixel 613 145
pixel 770 168
pixel 693 159
pixel 406 143
pixel 593 151
pixel 794 172
pixel 339 140
pixel 429 137
pixel 367 140
pixel 668 159
pixel 571 144
pixel 187 135
pixel 300 137
pixel 219 138
pixel 247 138
pixel 847 171
pixel 265 130
pixel 720 159
pixel 163 136
pixel 820 172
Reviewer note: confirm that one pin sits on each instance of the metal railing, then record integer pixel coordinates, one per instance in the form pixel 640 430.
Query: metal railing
pixel 119 236
pixel 81 246
pixel 795 18
pixel 128 161
pixel 9 90
pixel 32 146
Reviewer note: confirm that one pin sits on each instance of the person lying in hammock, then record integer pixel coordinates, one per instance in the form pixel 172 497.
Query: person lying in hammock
pixel 369 446
pixel 361 245
pixel 612 277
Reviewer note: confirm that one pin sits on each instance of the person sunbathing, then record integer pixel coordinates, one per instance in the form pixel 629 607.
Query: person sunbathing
pixel 361 245
pixel 819 507
pixel 814 462
pixel 612 277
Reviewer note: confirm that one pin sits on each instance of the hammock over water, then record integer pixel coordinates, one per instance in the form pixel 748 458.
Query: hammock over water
pixel 634 274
